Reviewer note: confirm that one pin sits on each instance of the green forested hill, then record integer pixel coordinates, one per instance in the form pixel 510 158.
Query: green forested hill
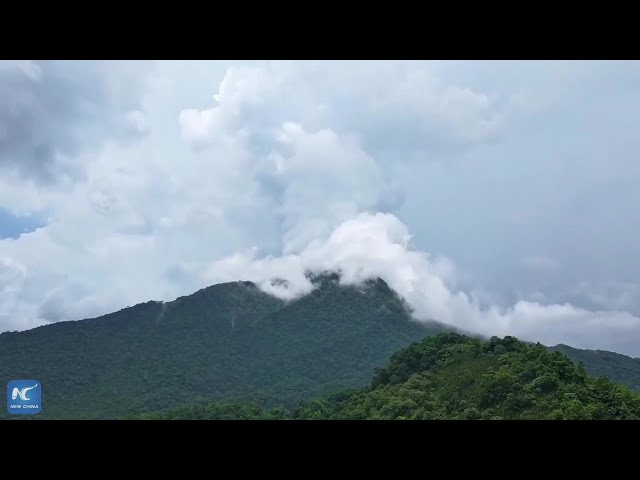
pixel 451 376
pixel 226 342
pixel 616 367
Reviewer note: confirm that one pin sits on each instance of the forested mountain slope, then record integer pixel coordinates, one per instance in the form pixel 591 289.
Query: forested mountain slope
pixel 451 376
pixel 226 342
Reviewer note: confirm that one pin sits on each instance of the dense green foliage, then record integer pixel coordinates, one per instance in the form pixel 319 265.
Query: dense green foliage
pixel 228 342
pixel 217 411
pixel 616 367
pixel 451 376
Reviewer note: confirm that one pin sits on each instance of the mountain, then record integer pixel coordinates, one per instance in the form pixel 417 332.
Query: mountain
pixel 229 342
pixel 451 376
pixel 226 342
pixel 616 367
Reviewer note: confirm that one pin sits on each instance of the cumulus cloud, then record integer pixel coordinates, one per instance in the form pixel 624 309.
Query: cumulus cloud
pixel 140 234
pixel 324 180
pixel 391 105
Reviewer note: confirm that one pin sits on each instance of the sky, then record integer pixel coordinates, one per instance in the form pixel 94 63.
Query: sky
pixel 496 196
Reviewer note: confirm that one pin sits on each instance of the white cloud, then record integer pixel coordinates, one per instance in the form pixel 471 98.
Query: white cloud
pixel 326 179
pixel 139 227
pixel 251 99
pixel 455 112
pixel 371 246
pixel 388 103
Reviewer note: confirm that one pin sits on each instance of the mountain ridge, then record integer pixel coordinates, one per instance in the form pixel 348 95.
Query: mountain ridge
pixel 617 367
pixel 225 342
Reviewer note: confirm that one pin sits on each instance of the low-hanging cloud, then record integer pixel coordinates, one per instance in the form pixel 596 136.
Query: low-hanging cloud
pixel 378 245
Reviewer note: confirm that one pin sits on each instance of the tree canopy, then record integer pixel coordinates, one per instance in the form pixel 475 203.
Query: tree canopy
pixel 452 376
